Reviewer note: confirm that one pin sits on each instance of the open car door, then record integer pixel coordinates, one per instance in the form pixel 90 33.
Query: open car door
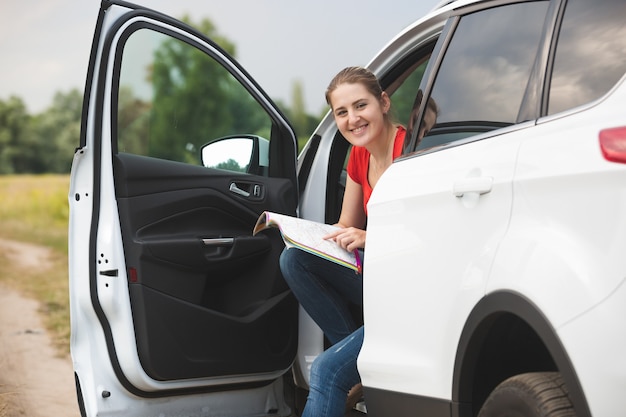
pixel 176 309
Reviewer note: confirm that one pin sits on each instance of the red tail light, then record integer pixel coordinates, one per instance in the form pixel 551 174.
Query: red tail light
pixel 613 144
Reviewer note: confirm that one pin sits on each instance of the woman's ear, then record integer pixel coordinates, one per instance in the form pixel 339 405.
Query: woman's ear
pixel 385 101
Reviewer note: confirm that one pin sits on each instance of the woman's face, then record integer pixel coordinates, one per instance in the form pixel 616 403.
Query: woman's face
pixel 360 116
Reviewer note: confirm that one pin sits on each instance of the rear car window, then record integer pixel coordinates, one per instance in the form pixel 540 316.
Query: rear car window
pixel 483 76
pixel 591 53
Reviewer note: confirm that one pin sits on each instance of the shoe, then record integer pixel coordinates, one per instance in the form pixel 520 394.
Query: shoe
pixel 354 396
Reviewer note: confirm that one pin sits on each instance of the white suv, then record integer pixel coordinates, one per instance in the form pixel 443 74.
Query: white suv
pixel 495 275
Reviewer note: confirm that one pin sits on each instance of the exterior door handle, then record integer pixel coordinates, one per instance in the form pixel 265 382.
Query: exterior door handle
pixel 477 185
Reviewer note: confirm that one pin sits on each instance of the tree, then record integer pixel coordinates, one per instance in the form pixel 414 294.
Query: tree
pixel 57 132
pixel 298 111
pixel 133 122
pixel 231 165
pixel 41 143
pixel 196 99
pixel 17 143
pixel 192 101
pixel 303 123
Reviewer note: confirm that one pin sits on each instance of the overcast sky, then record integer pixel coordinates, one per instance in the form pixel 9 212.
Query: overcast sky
pixel 44 44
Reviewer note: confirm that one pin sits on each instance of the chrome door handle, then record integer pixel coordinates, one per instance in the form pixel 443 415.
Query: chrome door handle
pixel 235 189
pixel 218 241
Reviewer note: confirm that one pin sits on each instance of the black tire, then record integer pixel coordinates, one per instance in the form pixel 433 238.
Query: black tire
pixel 539 394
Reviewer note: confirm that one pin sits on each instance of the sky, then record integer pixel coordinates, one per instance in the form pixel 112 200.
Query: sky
pixel 45 44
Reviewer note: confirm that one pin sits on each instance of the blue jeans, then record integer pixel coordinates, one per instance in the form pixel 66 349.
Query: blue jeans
pixel 333 374
pixel 325 290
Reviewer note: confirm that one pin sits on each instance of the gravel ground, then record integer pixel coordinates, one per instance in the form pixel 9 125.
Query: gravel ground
pixel 34 380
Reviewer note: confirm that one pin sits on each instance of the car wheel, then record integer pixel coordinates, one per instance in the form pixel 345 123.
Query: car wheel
pixel 540 394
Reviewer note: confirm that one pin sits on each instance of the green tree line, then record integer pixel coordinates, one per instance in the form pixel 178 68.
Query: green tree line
pixel 45 142
pixel 41 143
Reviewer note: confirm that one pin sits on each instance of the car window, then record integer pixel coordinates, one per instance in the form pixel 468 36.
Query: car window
pixel 403 97
pixel 173 98
pixel 483 76
pixel 590 55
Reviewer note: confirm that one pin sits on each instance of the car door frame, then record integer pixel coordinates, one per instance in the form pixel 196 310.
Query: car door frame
pixel 89 185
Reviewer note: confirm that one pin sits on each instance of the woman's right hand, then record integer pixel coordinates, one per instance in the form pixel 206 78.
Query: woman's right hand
pixel 349 238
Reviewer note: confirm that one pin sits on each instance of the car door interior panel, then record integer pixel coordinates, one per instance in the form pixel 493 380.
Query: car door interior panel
pixel 193 265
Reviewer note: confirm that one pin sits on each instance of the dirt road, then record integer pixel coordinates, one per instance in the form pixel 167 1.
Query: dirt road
pixel 34 380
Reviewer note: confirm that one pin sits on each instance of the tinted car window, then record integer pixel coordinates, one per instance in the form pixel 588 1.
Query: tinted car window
pixel 402 98
pixel 591 52
pixel 173 98
pixel 483 76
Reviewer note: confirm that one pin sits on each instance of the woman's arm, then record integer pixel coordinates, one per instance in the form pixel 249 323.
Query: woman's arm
pixel 352 219
pixel 352 212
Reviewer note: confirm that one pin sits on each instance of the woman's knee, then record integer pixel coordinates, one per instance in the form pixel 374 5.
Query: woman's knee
pixel 333 370
pixel 294 261
pixel 321 369
pixel 288 263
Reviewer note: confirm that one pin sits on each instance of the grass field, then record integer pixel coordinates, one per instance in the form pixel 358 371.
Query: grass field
pixel 34 209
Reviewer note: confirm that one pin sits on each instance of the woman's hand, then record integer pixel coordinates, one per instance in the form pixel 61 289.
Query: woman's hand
pixel 349 238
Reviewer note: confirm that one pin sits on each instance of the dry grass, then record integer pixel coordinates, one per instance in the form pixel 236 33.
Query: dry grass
pixel 34 209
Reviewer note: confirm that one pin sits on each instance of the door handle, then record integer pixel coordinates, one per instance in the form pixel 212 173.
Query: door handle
pixel 218 241
pixel 234 188
pixel 247 190
pixel 477 185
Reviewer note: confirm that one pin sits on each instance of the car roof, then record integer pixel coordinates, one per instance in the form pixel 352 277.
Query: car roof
pixel 422 24
pixel 443 3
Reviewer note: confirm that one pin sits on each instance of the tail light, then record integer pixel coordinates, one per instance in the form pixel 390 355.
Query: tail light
pixel 613 144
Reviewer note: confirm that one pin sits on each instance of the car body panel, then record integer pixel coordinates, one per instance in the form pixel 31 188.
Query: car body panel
pixel 401 255
pixel 556 257
pixel 555 196
pixel 582 336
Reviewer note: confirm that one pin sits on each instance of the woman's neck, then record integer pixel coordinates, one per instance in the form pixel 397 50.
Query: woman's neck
pixel 381 155
pixel 381 150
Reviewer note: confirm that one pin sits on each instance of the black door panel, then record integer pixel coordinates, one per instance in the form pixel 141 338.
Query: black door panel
pixel 195 270
pixel 137 175
pixel 175 343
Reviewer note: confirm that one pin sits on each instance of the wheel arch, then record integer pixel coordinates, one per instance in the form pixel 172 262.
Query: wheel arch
pixel 505 335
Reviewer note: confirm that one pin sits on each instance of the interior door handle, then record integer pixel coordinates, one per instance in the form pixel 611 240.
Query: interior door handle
pixel 247 190
pixel 477 185
pixel 235 189
pixel 218 241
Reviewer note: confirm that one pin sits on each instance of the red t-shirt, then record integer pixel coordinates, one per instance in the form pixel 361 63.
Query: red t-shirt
pixel 358 164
